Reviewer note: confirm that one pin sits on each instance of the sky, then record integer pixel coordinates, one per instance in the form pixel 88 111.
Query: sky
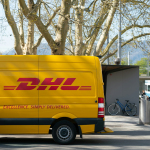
pixel 6 35
pixel 7 38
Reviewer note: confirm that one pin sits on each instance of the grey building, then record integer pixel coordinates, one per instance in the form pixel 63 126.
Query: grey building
pixel 121 82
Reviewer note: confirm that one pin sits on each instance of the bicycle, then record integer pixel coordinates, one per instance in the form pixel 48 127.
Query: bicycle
pixel 129 108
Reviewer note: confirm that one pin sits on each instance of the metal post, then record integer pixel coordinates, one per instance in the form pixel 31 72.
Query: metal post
pixel 148 65
pixel 128 58
pixel 119 34
pixel 94 51
pixel 108 50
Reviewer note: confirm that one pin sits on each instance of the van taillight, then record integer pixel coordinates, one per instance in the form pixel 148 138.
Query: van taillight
pixel 100 107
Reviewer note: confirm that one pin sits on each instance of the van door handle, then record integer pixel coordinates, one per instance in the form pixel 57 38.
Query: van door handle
pixel 96 101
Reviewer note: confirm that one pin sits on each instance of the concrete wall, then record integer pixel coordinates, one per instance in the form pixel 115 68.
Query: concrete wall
pixel 123 85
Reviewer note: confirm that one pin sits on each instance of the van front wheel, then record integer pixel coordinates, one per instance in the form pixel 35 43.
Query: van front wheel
pixel 64 132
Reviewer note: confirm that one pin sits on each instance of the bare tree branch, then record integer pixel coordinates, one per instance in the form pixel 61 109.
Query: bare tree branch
pixel 21 31
pixel 94 3
pixel 122 32
pixel 111 54
pixel 106 27
pixel 70 51
pixel 34 48
pixel 98 24
pixel 39 24
pixel 94 34
pixel 134 2
pixel 13 26
pixel 47 25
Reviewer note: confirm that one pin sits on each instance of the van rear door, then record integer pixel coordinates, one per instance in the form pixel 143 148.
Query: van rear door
pixel 18 94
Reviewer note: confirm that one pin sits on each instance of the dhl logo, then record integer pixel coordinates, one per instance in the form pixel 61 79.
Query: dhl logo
pixel 54 85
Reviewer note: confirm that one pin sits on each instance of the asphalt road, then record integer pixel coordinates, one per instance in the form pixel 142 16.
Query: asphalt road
pixel 128 134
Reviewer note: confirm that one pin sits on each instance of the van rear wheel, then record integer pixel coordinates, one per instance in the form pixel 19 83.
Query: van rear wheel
pixel 64 132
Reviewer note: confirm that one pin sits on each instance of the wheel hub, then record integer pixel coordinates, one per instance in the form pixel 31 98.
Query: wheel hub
pixel 64 133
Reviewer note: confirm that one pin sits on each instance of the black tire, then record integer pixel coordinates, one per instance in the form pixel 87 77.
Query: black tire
pixel 113 109
pixel 64 132
pixel 131 109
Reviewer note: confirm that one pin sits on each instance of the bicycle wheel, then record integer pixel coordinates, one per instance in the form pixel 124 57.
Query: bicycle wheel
pixel 113 109
pixel 131 109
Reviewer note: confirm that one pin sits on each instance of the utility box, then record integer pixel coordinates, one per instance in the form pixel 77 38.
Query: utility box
pixel 144 110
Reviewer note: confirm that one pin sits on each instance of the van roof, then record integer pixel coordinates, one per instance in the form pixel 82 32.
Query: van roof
pixel 49 58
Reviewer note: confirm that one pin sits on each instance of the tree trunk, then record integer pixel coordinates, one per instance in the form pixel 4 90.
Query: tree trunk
pixel 13 26
pixel 21 29
pixel 78 28
pixel 62 28
pixel 98 25
pixel 106 27
pixel 30 35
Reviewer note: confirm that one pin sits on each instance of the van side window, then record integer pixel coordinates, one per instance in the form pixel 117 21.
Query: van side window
pixel 148 87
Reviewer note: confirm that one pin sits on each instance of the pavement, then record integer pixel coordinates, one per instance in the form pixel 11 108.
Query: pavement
pixel 128 134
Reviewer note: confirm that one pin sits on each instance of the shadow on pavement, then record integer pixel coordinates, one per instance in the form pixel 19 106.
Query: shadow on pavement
pixel 130 133
pixel 11 140
pixel 36 142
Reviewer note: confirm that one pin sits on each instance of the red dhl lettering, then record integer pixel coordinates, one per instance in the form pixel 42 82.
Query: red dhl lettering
pixel 36 107
pixel 15 107
pixel 57 106
pixel 54 85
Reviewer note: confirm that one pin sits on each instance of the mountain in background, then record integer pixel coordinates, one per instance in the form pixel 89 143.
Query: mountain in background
pixel 135 53
pixel 43 49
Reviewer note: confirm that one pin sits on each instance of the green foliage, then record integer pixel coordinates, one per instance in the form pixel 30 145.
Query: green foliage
pixel 125 61
pixel 142 62
pixel 143 66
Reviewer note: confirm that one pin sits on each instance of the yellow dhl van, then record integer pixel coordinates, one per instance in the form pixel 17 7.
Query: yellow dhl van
pixel 62 95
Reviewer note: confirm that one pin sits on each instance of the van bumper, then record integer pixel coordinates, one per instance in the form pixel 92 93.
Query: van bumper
pixel 106 130
pixel 99 123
